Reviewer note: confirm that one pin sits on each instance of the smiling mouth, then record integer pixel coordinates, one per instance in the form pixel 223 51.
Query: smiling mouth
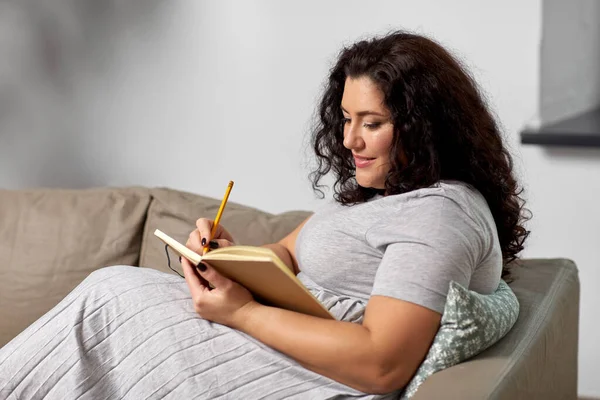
pixel 362 162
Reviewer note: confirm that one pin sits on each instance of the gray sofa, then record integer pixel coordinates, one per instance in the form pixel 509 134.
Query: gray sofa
pixel 50 240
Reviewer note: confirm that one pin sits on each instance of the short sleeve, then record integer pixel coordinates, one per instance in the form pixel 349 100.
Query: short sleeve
pixel 427 243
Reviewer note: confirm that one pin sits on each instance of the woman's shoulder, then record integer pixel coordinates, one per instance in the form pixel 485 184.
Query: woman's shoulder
pixel 449 212
pixel 441 195
pixel 466 199
pixel 444 199
pixel 453 190
pixel 446 202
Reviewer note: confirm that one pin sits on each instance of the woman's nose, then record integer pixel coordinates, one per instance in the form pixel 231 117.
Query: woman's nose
pixel 352 138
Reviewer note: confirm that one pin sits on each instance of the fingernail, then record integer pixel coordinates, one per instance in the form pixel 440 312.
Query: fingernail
pixel 179 259
pixel 202 267
pixel 213 244
pixel 203 242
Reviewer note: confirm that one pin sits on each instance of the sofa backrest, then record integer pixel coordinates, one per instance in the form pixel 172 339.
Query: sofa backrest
pixel 50 240
pixel 175 213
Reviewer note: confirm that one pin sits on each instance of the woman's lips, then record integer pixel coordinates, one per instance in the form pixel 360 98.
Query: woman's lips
pixel 362 162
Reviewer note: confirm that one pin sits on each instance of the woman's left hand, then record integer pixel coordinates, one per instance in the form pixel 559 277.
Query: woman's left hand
pixel 226 304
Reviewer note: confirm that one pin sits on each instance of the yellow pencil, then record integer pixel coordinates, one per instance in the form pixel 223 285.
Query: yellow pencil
pixel 218 217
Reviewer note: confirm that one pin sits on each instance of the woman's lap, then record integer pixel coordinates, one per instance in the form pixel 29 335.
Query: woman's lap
pixel 128 332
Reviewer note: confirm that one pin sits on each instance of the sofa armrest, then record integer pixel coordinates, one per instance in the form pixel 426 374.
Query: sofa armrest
pixel 538 357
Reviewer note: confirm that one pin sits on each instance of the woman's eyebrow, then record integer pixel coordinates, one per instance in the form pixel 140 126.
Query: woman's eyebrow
pixel 364 112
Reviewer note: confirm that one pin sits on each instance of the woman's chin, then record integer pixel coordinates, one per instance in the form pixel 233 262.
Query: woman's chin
pixel 369 184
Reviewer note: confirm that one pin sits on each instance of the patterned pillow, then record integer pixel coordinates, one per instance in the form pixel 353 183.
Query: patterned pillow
pixel 471 323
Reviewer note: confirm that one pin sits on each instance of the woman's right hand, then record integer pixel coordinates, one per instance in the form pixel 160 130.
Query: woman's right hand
pixel 200 237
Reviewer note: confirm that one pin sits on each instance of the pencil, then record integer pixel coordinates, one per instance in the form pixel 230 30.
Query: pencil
pixel 218 217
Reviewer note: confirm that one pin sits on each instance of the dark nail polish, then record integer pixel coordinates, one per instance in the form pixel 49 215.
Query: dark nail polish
pixel 179 259
pixel 203 242
pixel 202 267
pixel 213 244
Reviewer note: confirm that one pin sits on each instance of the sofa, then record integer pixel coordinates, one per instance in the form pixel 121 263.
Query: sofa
pixel 51 239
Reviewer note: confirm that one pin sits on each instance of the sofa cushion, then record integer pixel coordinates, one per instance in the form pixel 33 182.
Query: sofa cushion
pixel 50 240
pixel 175 213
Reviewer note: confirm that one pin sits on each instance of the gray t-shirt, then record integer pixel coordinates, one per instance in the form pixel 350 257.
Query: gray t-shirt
pixel 407 246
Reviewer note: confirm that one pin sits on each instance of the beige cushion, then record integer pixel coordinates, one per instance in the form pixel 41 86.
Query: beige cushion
pixel 50 240
pixel 175 213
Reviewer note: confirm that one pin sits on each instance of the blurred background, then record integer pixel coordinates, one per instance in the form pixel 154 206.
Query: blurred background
pixel 192 94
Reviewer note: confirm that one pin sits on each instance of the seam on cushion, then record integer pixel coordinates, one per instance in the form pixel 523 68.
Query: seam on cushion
pixel 143 247
pixel 538 323
pixel 125 193
pixel 12 252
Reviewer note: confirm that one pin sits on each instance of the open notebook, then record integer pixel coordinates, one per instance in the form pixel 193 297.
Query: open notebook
pixel 260 271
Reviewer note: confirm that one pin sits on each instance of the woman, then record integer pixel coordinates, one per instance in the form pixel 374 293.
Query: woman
pixel 424 194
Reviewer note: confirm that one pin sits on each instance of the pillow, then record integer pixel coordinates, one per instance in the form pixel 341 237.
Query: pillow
pixel 51 239
pixel 471 323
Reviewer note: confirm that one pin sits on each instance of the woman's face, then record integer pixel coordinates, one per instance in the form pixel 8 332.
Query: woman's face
pixel 368 131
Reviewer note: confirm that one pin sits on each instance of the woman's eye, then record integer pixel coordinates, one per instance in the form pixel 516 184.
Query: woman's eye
pixel 373 125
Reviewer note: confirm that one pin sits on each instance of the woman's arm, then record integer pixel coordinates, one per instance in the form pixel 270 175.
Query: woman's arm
pixel 378 356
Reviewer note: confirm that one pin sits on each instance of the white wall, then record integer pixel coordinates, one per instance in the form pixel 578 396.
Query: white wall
pixel 570 58
pixel 563 190
pixel 193 94
pixel 564 184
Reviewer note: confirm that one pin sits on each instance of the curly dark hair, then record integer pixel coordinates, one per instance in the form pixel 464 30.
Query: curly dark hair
pixel 443 130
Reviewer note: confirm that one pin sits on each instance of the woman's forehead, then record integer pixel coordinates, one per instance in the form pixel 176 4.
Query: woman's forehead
pixel 362 94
